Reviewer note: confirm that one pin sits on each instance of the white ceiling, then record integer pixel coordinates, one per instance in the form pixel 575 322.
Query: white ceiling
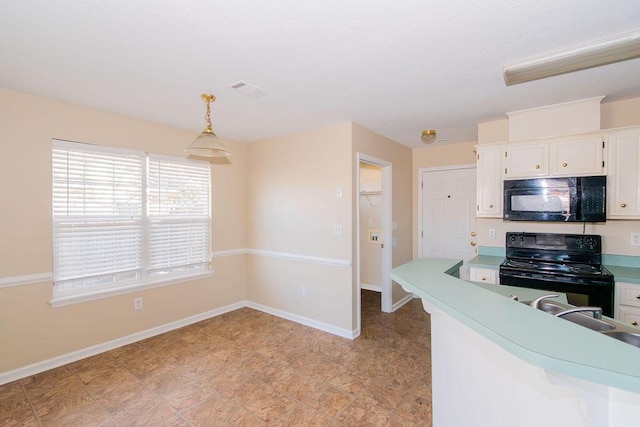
pixel 395 66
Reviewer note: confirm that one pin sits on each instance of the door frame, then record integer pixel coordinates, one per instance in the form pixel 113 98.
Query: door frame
pixel 432 169
pixel 387 251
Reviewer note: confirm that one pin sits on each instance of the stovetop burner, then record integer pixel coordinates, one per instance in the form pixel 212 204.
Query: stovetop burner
pixel 575 268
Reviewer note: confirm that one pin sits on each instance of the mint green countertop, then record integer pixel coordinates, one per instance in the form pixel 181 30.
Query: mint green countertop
pixel 624 274
pixel 532 335
pixel 486 261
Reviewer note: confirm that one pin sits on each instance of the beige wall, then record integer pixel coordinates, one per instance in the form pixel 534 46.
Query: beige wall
pixel 32 331
pixel 292 183
pixel 380 147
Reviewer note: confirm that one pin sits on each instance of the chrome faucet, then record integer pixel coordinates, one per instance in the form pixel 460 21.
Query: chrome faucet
pixel 536 303
pixel 597 311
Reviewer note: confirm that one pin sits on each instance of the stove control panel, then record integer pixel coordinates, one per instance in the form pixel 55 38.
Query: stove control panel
pixel 585 243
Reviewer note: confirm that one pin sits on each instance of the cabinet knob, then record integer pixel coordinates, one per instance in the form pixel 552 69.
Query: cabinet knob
pixel 637 296
pixel 623 205
pixel 491 206
pixel 483 278
pixel 537 166
pixel 564 165
pixel 634 323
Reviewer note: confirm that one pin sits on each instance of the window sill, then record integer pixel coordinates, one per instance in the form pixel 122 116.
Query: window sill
pixel 61 301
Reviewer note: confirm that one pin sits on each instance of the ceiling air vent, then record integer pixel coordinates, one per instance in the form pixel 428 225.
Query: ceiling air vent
pixel 248 89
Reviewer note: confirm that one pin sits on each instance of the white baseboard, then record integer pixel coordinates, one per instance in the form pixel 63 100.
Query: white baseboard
pixel 368 287
pixel 55 362
pixel 345 333
pixel 402 302
pixel 45 365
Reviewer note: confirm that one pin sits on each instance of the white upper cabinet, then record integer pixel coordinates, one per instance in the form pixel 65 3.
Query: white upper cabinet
pixel 623 185
pixel 489 181
pixel 582 155
pixel 526 159
pixel 578 156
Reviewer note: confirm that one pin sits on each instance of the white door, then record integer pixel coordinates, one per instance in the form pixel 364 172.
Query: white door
pixel 448 221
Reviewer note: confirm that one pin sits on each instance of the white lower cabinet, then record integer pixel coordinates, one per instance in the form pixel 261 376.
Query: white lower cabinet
pixel 627 305
pixel 483 275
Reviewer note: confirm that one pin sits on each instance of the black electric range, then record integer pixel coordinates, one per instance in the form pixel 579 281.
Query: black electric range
pixel 566 263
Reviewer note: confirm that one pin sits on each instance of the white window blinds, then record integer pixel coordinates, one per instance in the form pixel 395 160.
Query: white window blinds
pixel 179 208
pixel 121 218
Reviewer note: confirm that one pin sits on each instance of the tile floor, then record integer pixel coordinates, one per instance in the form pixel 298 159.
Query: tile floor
pixel 243 368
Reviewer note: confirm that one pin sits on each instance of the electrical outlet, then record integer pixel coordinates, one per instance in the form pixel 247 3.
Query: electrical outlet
pixel 492 233
pixel 635 239
pixel 337 230
pixel 137 303
pixel 303 291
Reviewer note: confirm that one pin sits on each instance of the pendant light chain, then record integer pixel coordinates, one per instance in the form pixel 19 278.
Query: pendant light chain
pixel 207 115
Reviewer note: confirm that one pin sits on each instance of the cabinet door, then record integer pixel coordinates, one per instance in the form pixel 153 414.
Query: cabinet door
pixel 627 304
pixel 526 160
pixel 483 275
pixel 578 157
pixel 629 316
pixel 489 181
pixel 628 294
pixel 622 180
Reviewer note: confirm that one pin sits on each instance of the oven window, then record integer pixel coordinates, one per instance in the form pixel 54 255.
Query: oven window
pixel 579 300
pixel 555 200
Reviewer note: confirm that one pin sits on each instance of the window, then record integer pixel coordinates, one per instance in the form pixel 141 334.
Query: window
pixel 124 218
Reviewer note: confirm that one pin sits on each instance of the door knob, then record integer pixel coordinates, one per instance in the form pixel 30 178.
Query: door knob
pixel 473 243
pixel 473 234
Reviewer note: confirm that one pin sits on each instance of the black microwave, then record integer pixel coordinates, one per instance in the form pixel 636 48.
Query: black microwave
pixel 575 199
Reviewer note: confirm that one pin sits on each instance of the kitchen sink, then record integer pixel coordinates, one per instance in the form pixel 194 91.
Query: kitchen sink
pixel 582 319
pixel 607 326
pixel 589 322
pixel 628 337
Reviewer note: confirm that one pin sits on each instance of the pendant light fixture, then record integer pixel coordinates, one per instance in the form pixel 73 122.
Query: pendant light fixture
pixel 428 136
pixel 207 144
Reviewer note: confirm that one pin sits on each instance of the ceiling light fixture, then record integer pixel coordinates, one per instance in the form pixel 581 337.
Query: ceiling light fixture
pixel 207 144
pixel 428 136
pixel 606 51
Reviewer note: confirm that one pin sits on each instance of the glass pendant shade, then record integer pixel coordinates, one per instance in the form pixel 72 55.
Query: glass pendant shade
pixel 207 144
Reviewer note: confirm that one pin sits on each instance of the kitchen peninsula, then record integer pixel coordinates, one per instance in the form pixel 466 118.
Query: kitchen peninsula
pixel 498 362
